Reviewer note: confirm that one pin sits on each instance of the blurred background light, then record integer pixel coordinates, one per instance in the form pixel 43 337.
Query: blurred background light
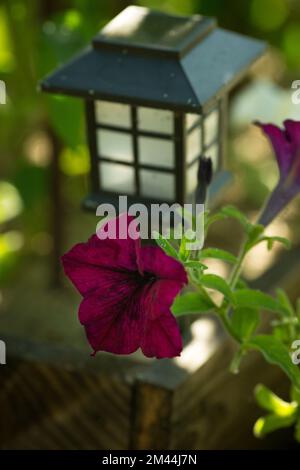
pixel 269 15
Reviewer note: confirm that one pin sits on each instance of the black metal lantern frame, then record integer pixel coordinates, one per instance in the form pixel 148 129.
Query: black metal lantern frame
pixel 178 138
pixel 147 62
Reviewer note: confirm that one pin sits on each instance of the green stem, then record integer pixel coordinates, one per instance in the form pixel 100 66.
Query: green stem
pixel 223 315
pixel 236 360
pixel 236 272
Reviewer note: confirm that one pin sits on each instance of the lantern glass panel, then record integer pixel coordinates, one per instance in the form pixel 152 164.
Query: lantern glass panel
pixel 155 120
pixel 213 153
pixel 113 114
pixel 117 178
pixel 156 152
pixel 192 177
pixel 191 119
pixel 157 185
pixel 193 144
pixel 115 145
pixel 211 127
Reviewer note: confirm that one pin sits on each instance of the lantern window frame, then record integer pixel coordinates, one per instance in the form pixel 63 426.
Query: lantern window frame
pixel 178 137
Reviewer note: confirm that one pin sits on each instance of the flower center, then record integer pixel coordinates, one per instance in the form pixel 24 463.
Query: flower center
pixel 149 277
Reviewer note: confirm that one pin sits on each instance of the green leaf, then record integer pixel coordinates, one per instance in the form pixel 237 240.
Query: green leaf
pixel 233 212
pixel 271 423
pixel 276 353
pixel 183 252
pixel 270 241
pixel 285 302
pixel 191 303
pixel 211 219
pixel 218 254
pixel 254 236
pixel 165 245
pixel 241 284
pixel 212 281
pixel 281 333
pixel 244 321
pixel 257 299
pixel 295 395
pixel 195 265
pixel 271 402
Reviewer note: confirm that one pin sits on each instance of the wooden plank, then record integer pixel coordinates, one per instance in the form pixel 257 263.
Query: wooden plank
pixel 214 409
pixel 151 417
pixel 46 407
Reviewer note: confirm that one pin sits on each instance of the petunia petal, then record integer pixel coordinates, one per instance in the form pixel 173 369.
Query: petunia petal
pixel 161 338
pixel 154 260
pixel 293 131
pixel 281 146
pixel 83 261
pixel 113 319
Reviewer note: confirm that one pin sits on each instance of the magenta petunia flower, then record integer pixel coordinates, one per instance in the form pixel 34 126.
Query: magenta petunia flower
pixel 127 293
pixel 286 145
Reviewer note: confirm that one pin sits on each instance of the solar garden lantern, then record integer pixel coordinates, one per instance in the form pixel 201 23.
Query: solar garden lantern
pixel 155 88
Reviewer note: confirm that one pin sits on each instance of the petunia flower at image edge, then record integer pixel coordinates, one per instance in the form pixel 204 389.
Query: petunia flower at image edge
pixel 286 146
pixel 127 291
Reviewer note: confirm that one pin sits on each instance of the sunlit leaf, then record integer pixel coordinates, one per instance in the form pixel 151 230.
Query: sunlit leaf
pixel 212 281
pixel 271 423
pixel 276 353
pixel 191 303
pixel 271 402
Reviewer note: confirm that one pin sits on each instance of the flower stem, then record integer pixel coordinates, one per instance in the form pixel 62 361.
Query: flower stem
pixel 223 315
pixel 236 272
pixel 236 360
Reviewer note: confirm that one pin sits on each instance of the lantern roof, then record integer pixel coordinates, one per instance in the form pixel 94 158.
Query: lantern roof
pixel 150 58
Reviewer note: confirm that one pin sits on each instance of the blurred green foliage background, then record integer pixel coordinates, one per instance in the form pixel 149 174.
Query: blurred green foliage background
pixel 35 37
